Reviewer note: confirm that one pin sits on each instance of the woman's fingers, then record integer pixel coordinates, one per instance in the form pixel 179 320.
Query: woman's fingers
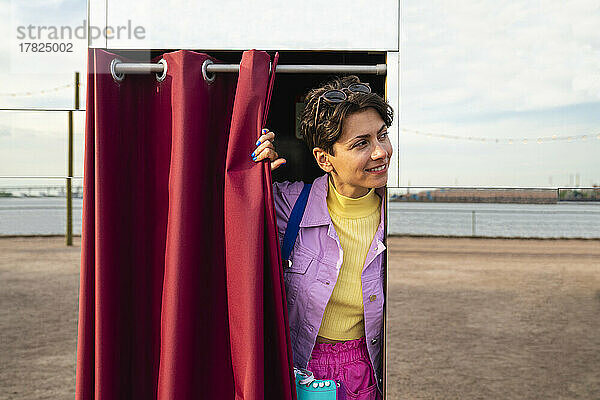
pixel 267 135
pixel 266 150
pixel 263 142
pixel 266 144
pixel 277 163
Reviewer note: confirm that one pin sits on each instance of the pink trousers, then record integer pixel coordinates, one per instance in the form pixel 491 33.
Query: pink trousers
pixel 348 362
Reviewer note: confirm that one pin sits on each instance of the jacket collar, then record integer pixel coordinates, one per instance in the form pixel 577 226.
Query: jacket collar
pixel 316 212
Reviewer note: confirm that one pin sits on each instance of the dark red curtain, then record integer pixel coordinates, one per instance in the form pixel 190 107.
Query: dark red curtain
pixel 181 293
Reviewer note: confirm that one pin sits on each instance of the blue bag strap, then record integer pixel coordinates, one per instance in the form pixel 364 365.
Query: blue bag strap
pixel 293 226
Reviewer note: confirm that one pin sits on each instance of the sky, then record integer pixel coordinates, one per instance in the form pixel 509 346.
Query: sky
pixel 520 70
pixel 520 78
pixel 35 143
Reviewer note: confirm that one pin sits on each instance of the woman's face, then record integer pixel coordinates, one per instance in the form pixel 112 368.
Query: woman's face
pixel 362 154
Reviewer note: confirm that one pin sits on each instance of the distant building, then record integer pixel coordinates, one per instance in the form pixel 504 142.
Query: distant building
pixel 528 196
pixel 540 196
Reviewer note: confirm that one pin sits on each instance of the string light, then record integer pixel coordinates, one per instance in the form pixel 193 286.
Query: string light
pixel 42 91
pixel 524 140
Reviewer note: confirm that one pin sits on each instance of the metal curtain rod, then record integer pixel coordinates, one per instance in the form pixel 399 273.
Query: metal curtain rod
pixel 500 187
pixel 142 68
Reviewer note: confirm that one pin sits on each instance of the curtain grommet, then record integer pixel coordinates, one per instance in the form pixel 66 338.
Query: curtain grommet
pixel 161 77
pixel 208 78
pixel 117 77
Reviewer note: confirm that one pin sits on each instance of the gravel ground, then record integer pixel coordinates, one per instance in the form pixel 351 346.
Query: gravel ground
pixel 493 319
pixel 468 318
pixel 39 286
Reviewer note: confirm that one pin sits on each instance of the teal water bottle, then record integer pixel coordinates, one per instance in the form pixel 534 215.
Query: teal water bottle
pixel 309 388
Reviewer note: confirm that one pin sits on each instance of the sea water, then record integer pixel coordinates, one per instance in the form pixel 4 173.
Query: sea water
pixel 47 215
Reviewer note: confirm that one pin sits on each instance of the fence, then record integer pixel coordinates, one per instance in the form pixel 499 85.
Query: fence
pixel 43 210
pixel 497 212
pixel 69 178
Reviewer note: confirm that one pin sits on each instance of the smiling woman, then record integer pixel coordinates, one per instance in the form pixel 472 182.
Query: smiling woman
pixel 334 283
pixel 359 159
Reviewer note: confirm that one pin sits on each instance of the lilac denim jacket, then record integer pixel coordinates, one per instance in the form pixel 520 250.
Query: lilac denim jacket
pixel 316 260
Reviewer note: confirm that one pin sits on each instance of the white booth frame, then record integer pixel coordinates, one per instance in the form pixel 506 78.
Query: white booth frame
pixel 308 25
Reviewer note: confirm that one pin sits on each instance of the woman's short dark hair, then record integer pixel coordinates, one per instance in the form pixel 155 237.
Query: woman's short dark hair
pixel 331 115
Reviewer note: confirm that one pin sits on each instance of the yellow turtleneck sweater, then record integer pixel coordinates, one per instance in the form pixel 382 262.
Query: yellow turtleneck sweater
pixel 355 221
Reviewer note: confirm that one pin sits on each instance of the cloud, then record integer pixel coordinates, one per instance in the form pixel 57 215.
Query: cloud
pixel 42 125
pixel 53 11
pixel 4 130
pixel 489 56
pixel 22 133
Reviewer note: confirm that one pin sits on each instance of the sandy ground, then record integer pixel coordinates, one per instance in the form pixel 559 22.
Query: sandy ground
pixel 39 288
pixel 468 318
pixel 494 319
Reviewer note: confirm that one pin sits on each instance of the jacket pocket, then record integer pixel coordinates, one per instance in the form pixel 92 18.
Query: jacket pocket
pixel 294 274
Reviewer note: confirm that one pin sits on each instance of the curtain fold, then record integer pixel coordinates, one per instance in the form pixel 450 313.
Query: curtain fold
pixel 181 289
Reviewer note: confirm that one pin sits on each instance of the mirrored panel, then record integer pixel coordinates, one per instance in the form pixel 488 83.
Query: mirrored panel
pixel 499 94
pixel 493 283
pixel 493 300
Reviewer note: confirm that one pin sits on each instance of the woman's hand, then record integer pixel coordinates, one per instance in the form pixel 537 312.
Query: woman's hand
pixel 266 149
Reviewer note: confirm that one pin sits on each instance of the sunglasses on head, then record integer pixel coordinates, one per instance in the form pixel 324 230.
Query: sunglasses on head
pixel 339 95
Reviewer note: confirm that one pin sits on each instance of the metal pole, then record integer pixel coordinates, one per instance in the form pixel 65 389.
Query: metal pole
pixel 69 233
pixel 69 193
pixel 472 223
pixel 378 69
